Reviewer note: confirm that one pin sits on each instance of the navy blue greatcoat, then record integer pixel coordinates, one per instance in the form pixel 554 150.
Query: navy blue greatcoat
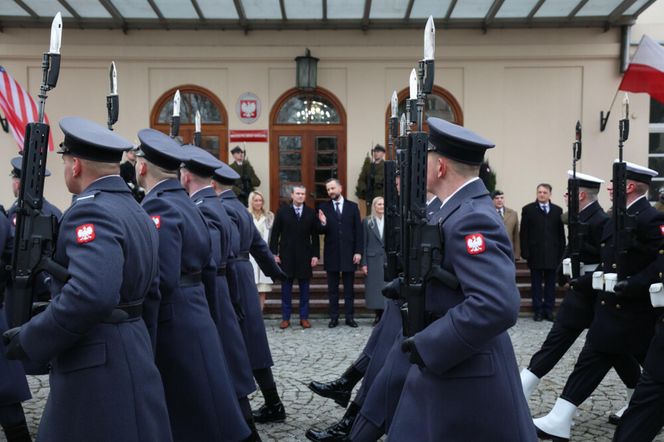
pixel 13 385
pixel 221 304
pixel 471 380
pixel 343 236
pixel 104 383
pixel 625 324
pixel 241 279
pixel 199 391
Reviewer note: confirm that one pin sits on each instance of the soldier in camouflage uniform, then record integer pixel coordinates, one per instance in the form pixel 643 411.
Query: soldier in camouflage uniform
pixel 371 182
pixel 248 180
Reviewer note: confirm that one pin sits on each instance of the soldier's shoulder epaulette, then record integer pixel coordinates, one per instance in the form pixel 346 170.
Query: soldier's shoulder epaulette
pixel 86 197
pixel 198 202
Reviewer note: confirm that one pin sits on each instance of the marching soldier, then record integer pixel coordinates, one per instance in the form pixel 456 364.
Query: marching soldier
pixel 366 367
pixel 47 207
pixel 463 361
pixel 201 400
pixel 643 418
pixel 624 319
pixel 225 307
pixel 248 180
pixel 371 182
pixel 241 280
pixel 104 384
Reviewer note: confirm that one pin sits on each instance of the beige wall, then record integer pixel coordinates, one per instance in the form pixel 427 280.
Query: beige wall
pixel 523 89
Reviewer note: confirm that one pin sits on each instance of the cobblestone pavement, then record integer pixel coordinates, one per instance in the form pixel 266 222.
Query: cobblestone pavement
pixel 322 354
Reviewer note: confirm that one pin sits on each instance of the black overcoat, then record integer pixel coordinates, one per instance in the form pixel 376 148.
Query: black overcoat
pixel 542 236
pixel 295 241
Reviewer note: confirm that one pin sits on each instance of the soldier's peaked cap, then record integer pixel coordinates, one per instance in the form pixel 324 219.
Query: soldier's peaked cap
pixel 585 180
pixel 91 141
pixel 237 149
pixel 17 165
pixel 160 149
pixel 456 142
pixel 639 173
pixel 225 174
pixel 202 162
pixel 379 147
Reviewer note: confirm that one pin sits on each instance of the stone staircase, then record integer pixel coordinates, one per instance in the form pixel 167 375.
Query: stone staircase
pixel 318 302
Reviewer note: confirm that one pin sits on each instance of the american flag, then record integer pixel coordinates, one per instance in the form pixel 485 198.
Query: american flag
pixel 19 108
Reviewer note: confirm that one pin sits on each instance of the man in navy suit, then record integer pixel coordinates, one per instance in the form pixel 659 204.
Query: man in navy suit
pixel 340 222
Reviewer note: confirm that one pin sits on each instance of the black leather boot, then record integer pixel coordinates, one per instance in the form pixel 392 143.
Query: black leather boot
pixel 17 432
pixel 338 432
pixel 340 389
pixel 273 410
pixel 254 436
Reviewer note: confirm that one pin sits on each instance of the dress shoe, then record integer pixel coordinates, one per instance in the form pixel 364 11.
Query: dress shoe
pixel 305 323
pixel 270 413
pixel 548 316
pixel 537 317
pixel 284 324
pixel 351 323
pixel 338 432
pixel 339 390
pixel 333 323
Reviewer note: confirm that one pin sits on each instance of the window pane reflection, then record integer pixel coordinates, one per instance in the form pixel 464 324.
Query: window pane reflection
pixel 308 109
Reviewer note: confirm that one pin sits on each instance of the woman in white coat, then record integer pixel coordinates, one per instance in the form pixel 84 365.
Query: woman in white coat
pixel 263 220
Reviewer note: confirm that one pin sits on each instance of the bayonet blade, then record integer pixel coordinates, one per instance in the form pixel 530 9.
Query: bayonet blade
pixel 114 79
pixel 56 34
pixel 429 39
pixel 395 104
pixel 176 104
pixel 402 125
pixel 413 85
pixel 197 121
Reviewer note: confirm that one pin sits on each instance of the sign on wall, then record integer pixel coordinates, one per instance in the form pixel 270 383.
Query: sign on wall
pixel 248 136
pixel 248 108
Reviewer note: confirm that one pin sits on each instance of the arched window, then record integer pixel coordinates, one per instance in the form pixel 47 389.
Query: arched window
pixel 214 126
pixel 440 103
pixel 307 144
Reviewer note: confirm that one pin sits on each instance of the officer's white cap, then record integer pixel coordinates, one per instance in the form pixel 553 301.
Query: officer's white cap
pixel 585 180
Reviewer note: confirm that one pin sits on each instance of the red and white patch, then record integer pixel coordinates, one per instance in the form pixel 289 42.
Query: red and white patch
pixel 85 233
pixel 475 244
pixel 661 229
pixel 157 221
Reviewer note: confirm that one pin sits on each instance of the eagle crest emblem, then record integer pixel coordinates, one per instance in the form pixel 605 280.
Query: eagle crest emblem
pixel 475 244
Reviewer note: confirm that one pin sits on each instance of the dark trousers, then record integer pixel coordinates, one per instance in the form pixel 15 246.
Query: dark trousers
pixel 286 296
pixel 543 302
pixel 591 367
pixel 333 293
pixel 556 344
pixel 645 415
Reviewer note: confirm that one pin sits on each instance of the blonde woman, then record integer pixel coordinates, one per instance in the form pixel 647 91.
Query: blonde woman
pixel 374 257
pixel 263 220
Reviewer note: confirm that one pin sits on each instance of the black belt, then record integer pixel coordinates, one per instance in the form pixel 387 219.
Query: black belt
pixel 241 256
pixel 124 313
pixel 191 278
pixel 221 271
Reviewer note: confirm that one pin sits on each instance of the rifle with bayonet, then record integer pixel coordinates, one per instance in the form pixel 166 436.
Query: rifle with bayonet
pixel 422 244
pixel 35 232
pixel 623 223
pixel 392 236
pixel 175 117
pixel 576 232
pixel 197 131
pixel 112 99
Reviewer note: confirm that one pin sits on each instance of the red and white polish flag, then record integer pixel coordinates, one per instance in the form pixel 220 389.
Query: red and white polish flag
pixel 645 72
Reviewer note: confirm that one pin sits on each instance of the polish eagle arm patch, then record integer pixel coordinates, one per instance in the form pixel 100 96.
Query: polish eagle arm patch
pixel 475 244
pixel 85 233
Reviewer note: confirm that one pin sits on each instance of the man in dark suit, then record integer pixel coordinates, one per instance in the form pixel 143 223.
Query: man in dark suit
pixel 542 245
pixel 295 245
pixel 340 222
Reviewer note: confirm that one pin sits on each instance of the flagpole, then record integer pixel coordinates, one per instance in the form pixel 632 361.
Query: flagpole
pixel 604 120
